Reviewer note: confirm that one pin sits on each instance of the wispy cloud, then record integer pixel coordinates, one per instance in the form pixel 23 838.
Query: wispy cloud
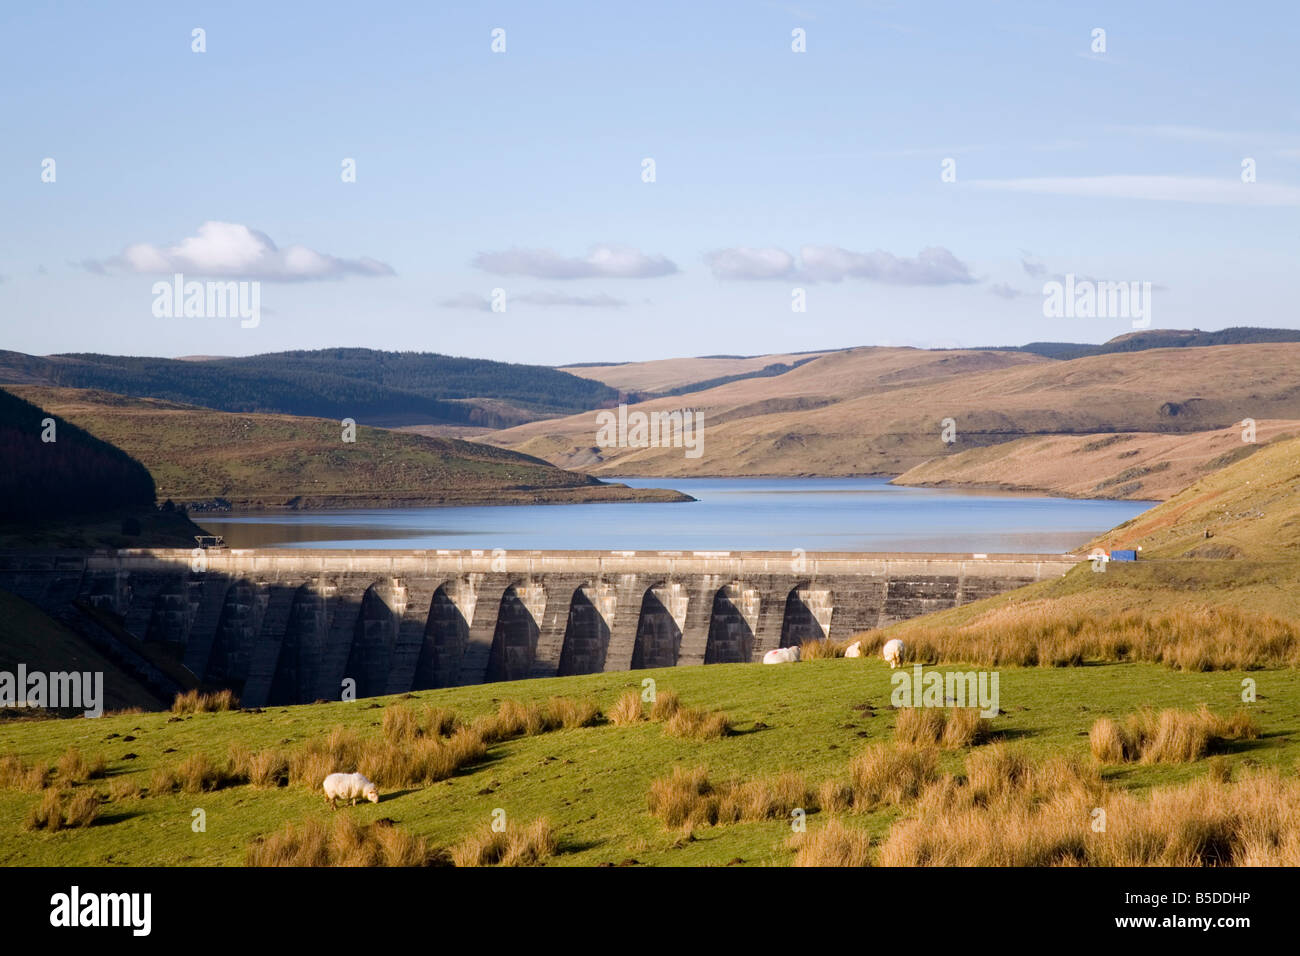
pixel 481 303
pixel 1193 189
pixel 231 250
pixel 601 262
pixel 933 266
pixel 1005 291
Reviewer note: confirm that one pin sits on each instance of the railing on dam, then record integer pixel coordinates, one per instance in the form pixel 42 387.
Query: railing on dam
pixel 289 626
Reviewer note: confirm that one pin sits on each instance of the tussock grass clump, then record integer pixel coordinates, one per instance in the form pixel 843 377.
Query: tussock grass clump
pixel 74 768
pixel 569 713
pixel 402 723
pixel 825 647
pixel 665 705
pixel 17 775
pixel 687 799
pixel 693 723
pixel 422 761
pixel 125 788
pixel 627 709
pixel 831 845
pixel 343 842
pixel 407 755
pixel 1039 634
pixel 1167 736
pixel 339 752
pixel 264 769
pixel 889 774
pixel 64 809
pixel 1047 818
pixel 529 845
pixel 193 702
pixel 199 773
pixel 515 718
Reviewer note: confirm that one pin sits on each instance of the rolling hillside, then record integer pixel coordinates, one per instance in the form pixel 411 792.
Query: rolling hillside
pixel 880 410
pixel 1249 510
pixel 372 387
pixel 250 461
pixel 50 468
pixel 1136 465
pixel 662 376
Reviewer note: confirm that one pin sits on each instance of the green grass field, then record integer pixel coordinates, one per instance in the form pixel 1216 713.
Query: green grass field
pixel 591 782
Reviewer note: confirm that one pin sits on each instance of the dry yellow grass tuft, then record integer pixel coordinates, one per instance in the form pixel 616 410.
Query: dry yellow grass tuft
pixel 694 723
pixel 665 705
pixel 404 723
pixel 889 774
pixel 831 845
pixel 814 650
pixel 17 775
pixel 1059 814
pixel 344 842
pixel 64 809
pixel 627 709
pixel 530 845
pixel 952 729
pixel 687 799
pixel 1169 736
pixel 74 768
pixel 1029 635
pixel 193 702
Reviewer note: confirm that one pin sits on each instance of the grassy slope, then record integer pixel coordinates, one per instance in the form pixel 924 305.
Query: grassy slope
pixel 592 782
pixel 30 636
pixel 879 410
pixel 660 375
pixel 253 460
pixel 1251 508
pixel 1134 465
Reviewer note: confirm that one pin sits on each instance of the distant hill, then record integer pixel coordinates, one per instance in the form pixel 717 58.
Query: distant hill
pixel 1160 339
pixel 677 376
pixel 1141 465
pixel 209 459
pixel 881 410
pixel 74 474
pixel 369 386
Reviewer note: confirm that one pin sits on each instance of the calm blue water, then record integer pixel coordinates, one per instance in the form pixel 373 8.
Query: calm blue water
pixel 732 514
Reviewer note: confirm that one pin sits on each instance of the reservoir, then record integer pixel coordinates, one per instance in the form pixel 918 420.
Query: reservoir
pixel 730 514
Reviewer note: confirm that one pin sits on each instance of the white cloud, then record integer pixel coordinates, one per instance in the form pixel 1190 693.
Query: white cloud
pixel 1194 189
pixel 602 261
pixel 746 263
pixel 231 250
pixel 933 266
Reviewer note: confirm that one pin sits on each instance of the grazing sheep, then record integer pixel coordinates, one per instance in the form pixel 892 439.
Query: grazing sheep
pixel 893 652
pixel 349 786
pixel 782 655
pixel 854 649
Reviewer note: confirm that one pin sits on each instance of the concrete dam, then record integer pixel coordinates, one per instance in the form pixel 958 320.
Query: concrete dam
pixel 291 626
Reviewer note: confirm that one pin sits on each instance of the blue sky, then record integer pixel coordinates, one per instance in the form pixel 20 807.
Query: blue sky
pixel 522 171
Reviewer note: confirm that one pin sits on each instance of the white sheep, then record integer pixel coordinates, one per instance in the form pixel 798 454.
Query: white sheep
pixel 782 655
pixel 893 652
pixel 349 786
pixel 854 649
